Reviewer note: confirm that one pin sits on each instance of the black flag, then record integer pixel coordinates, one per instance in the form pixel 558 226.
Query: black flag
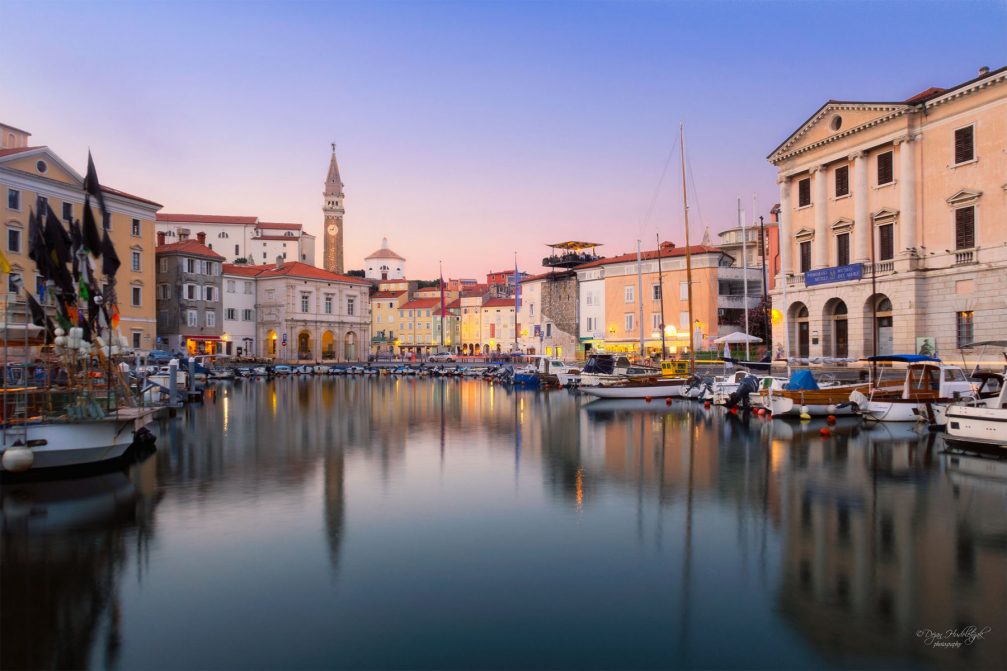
pixel 92 186
pixel 92 239
pixel 76 243
pixel 40 318
pixel 109 259
pixel 37 250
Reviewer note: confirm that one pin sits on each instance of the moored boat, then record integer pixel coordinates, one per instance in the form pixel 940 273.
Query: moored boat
pixel 928 383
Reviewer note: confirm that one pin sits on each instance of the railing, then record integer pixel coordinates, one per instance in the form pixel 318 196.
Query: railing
pixel 881 267
pixel 795 280
pixel 964 256
pixel 737 301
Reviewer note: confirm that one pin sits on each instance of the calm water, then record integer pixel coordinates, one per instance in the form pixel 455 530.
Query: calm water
pixel 452 524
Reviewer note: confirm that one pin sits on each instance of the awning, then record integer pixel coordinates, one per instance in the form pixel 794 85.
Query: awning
pixel 204 338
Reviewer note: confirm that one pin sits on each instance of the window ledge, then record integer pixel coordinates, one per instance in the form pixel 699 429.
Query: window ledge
pixel 804 207
pixel 844 196
pixel 886 185
pixel 963 164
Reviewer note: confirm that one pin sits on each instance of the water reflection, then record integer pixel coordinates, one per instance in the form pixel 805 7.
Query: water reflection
pixel 451 523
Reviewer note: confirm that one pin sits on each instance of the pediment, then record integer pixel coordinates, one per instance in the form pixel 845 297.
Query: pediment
pixel 56 168
pixel 964 197
pixel 821 127
pixel 842 225
pixel 805 234
pixel 884 213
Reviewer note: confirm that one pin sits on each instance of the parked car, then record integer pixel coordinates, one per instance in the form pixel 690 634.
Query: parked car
pixel 445 357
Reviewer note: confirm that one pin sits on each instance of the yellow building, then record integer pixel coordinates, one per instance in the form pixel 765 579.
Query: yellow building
pixel 470 318
pixel 419 326
pixel 496 316
pixel 906 196
pixel 30 172
pixel 385 306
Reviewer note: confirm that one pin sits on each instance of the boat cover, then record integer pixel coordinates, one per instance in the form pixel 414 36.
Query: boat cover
pixel 801 380
pixel 903 358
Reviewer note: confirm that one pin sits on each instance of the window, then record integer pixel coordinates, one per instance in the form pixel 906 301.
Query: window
pixel 886 242
pixel 843 249
pixel 67 211
pixel 42 204
pixel 805 256
pixel 248 315
pixel 190 266
pixel 965 323
pixel 965 227
pixel 192 317
pixel 683 321
pixel 211 318
pixel 136 262
pixel 106 221
pixel 230 314
pixel 531 309
pixel 843 181
pixel 237 250
pixel 305 301
pixel 164 265
pixel 328 304
pixel 248 287
pixel 630 295
pixel 134 229
pixel 592 323
pixel 683 291
pixel 628 321
pixel 210 293
pixel 804 192
pixel 351 303
pixel 14 240
pixel 190 292
pixel 137 296
pixel 13 282
pixel 231 286
pixel 39 287
pixel 655 321
pixel 965 144
pixel 548 330
pixel 590 299
pixel 163 291
pixel 885 174
pixel 137 335
pixel 13 199
pixel 655 292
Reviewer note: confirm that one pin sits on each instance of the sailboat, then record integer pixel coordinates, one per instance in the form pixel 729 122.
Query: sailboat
pixel 76 408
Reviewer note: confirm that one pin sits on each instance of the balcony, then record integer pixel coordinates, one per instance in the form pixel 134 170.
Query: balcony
pixel 738 273
pixel 737 301
pixel 964 257
pixel 568 260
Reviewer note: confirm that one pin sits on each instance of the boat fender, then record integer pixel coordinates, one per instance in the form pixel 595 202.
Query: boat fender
pixel 17 459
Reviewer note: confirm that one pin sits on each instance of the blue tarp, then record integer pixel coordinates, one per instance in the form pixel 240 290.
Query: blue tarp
pixel 801 380
pixel 904 358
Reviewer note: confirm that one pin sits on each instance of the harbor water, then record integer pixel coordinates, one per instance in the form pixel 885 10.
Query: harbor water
pixel 382 523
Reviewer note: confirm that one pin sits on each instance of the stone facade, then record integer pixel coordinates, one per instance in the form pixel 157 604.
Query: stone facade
pixel 548 315
pixel 190 315
pixel 333 209
pixel 909 195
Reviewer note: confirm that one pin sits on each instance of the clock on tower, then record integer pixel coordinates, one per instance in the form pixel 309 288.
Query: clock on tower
pixel 333 210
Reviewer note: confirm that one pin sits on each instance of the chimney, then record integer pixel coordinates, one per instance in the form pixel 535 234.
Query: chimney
pixel 279 262
pixel 160 238
pixel 984 70
pixel 201 237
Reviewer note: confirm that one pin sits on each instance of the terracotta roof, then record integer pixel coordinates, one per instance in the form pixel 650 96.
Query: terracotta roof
pixel 204 219
pixel 650 255
pixel 388 294
pixel 187 247
pixel 17 150
pixel 925 95
pixel 384 254
pixel 123 194
pixel 242 269
pixel 275 237
pixel 499 303
pixel 298 269
pixel 286 227
pixel 456 303
pixel 421 303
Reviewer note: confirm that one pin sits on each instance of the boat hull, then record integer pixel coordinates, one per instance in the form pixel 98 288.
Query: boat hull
pixel 817 402
pixel 636 391
pixel 977 426
pixel 83 443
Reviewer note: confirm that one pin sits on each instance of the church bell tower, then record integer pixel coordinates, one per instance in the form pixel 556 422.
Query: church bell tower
pixel 333 241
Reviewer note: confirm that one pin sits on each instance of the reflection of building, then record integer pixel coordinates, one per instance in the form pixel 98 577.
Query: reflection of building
pixel 911 193
pixel 29 173
pixel 189 300
pixel 309 314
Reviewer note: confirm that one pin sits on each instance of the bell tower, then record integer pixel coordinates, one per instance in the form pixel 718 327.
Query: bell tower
pixel 333 208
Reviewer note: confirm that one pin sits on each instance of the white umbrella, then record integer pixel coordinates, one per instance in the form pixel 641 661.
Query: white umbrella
pixel 727 355
pixel 737 337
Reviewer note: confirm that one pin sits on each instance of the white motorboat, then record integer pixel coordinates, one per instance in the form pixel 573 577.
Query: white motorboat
pixel 549 370
pixel 927 383
pixel 605 369
pixel 652 387
pixel 980 425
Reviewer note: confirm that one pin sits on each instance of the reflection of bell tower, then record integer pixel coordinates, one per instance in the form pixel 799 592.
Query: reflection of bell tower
pixel 333 241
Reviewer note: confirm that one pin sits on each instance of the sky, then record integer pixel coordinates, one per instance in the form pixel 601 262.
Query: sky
pixel 466 131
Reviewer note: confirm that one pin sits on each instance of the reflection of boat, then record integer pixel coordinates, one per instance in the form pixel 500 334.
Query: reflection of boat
pixel 625 404
pixel 976 467
pixel 927 383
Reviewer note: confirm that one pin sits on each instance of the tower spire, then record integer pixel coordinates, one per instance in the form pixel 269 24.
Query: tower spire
pixel 333 184
pixel 333 210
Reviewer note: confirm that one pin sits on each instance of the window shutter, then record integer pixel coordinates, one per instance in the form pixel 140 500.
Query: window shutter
pixel 885 168
pixel 965 228
pixel 964 145
pixel 842 181
pixel 804 192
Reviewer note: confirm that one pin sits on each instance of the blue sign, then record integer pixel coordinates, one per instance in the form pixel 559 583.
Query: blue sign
pixel 853 271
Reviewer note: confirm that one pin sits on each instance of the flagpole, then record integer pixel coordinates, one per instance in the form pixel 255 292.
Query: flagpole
pixel 639 284
pixel 517 301
pixel 688 254
pixel 440 266
pixel 744 276
pixel 660 285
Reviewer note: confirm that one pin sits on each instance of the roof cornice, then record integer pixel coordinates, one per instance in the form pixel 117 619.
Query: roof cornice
pixel 783 152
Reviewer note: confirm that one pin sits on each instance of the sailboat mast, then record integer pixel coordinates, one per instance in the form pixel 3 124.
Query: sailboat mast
pixel 688 253
pixel 660 285
pixel 744 270
pixel 639 289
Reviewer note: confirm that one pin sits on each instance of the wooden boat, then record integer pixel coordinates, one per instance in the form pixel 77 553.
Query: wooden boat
pixel 927 383
pixel 643 387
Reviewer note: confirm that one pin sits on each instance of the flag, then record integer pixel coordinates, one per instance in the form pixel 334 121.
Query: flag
pixel 57 242
pixel 89 231
pixel 39 317
pixel 114 316
pixel 92 186
pixel 109 259
pixel 37 251
pixel 517 288
pixel 76 245
pixel 4 263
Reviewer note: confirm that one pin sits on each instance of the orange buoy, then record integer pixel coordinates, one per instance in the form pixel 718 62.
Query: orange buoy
pixel 734 411
pixel 831 419
pixel 647 399
pixel 706 404
pixel 667 401
pixel 825 431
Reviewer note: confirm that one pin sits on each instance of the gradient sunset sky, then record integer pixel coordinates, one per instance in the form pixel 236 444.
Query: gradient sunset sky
pixel 465 131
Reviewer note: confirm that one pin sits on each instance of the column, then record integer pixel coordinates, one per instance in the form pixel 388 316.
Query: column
pixel 785 232
pixel 861 216
pixel 907 191
pixel 820 258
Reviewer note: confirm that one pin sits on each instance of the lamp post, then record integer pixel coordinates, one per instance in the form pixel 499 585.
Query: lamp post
pixel 765 285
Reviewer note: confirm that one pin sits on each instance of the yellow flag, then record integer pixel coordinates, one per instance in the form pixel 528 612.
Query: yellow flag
pixel 4 263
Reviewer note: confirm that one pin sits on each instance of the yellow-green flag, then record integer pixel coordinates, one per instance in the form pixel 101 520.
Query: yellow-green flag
pixel 4 263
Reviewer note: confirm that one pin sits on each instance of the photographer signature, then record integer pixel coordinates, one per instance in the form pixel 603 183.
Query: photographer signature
pixel 952 638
